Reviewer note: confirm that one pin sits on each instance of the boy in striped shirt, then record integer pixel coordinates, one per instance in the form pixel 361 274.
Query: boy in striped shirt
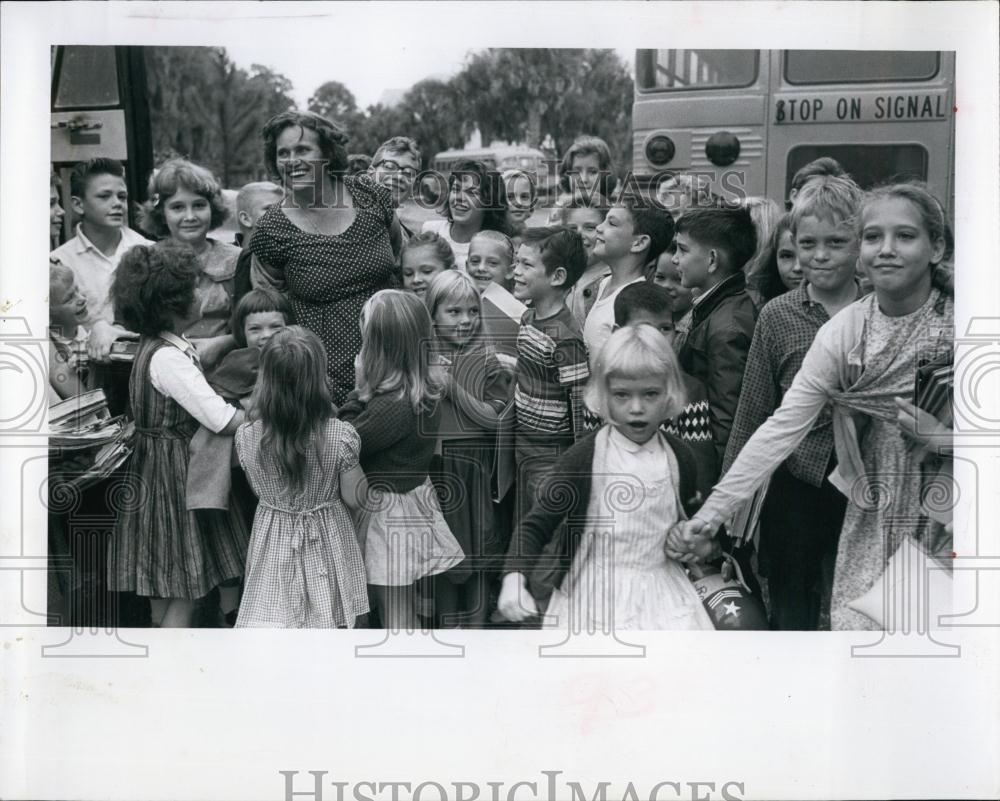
pixel 552 365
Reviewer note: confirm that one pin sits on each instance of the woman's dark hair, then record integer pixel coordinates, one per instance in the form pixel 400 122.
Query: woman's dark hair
pixel 331 137
pixel 767 280
pixel 256 301
pixel 154 284
pixel 492 195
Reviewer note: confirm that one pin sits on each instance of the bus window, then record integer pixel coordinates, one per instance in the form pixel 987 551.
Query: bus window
pixel 657 70
pixel 88 78
pixel 859 66
pixel 868 165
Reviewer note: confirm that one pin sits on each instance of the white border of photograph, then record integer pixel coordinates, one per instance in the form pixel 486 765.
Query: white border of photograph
pixel 209 714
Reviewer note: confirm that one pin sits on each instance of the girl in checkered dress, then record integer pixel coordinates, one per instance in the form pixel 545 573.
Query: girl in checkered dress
pixel 305 568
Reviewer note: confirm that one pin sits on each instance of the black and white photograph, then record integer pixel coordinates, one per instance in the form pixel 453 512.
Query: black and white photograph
pixel 601 373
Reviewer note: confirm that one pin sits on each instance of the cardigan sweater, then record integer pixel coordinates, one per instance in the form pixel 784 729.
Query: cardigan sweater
pixel 545 540
pixel 397 445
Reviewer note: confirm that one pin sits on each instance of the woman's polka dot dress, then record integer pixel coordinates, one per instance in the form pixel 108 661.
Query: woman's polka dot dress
pixel 328 279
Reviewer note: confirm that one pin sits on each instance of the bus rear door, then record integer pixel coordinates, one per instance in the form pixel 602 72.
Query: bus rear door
pixel 882 115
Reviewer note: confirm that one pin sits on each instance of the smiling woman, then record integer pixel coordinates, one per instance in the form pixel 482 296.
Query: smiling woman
pixel 331 244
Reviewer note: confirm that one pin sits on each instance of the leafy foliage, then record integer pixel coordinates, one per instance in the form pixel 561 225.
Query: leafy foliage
pixel 208 109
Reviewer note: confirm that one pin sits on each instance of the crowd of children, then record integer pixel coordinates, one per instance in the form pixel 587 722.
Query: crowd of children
pixel 544 424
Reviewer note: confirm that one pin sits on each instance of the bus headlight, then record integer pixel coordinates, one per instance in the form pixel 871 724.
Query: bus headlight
pixel 660 150
pixel 722 148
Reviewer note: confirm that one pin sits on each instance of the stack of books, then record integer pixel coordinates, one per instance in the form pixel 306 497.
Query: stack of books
pixel 935 387
pixel 82 426
pixel 124 350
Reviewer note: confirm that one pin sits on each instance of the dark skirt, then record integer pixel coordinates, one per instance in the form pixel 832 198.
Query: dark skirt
pixel 160 548
pixel 461 476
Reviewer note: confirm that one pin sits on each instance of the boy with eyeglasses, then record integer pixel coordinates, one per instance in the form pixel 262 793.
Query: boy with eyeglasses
pixel 395 166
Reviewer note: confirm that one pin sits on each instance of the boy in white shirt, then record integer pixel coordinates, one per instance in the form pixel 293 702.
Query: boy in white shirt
pixel 631 236
pixel 99 197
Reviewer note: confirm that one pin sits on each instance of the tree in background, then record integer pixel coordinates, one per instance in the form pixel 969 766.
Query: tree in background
pixel 524 94
pixel 205 108
pixel 334 101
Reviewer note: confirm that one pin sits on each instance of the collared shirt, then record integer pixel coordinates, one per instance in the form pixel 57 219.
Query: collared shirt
pixel 94 272
pixel 216 285
pixel 785 331
pixel 176 373
pixel 697 300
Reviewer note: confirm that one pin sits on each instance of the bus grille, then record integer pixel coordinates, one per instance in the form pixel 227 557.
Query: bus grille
pixel 751 150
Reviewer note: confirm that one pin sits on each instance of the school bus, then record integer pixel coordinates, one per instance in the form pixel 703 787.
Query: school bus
pixel 99 108
pixel 747 120
pixel 502 157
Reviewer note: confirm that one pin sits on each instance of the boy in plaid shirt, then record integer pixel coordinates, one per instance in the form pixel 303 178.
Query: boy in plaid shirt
pixel 552 365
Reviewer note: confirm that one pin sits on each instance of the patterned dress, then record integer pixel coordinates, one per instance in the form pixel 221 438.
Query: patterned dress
pixel 328 279
pixel 160 549
pixel 870 536
pixel 305 568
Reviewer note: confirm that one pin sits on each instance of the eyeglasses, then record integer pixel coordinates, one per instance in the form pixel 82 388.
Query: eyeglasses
pixel 393 166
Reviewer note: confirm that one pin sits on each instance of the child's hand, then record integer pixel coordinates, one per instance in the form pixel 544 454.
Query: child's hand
pixel 102 336
pixel 515 602
pixel 688 540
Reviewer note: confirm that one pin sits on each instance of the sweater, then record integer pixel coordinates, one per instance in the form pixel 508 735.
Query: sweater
pixel 543 553
pixel 396 444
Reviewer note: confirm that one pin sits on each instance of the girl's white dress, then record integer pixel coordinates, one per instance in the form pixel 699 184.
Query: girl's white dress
pixel 621 577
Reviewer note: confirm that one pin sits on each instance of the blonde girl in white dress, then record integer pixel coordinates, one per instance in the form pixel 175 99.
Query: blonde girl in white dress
pixel 611 501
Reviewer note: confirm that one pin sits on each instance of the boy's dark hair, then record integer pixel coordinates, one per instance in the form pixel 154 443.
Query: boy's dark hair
pixel 256 301
pixel 85 170
pixel 559 246
pixel 358 163
pixel 153 284
pixel 641 296
pixel 729 231
pixel 821 166
pixel 650 221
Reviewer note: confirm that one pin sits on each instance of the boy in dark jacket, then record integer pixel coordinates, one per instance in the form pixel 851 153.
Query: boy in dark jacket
pixel 712 247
